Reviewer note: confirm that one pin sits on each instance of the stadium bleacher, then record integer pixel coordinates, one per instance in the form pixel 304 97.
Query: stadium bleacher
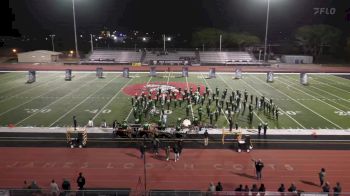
pixel 172 58
pixel 169 57
pixel 113 56
pixel 226 58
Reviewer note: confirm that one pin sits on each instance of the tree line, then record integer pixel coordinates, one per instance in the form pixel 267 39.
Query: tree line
pixel 314 40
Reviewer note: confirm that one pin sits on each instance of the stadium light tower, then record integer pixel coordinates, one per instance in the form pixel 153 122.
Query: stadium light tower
pixel 52 42
pixel 92 43
pixel 165 39
pixel 266 28
pixel 75 31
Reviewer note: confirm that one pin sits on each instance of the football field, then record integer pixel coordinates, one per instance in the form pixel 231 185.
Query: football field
pixel 52 102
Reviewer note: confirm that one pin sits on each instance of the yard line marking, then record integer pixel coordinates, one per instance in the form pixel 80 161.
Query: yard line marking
pixel 293 119
pixel 10 78
pixel 232 90
pixel 93 118
pixel 210 88
pixel 34 98
pixel 312 96
pixel 325 92
pixel 65 114
pixel 190 99
pixel 325 83
pixel 126 119
pixel 300 103
pixel 16 95
pixel 55 101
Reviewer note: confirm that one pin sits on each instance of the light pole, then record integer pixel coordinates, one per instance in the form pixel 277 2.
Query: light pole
pixel 220 41
pixel 266 28
pixel 75 32
pixel 259 55
pixel 92 43
pixel 164 42
pixel 52 43
pixel 167 39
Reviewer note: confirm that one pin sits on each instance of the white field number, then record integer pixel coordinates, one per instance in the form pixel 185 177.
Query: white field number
pixel 35 110
pixel 343 113
pixel 106 111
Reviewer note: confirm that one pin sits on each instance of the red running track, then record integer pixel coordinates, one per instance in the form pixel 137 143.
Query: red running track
pixel 121 168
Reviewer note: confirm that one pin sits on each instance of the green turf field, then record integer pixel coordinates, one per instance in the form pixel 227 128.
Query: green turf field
pixel 51 101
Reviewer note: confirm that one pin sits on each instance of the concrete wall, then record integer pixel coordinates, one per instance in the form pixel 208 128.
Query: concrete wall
pixel 297 59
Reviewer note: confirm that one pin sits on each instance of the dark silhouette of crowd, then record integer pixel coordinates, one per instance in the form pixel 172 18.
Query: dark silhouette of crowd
pixel 254 189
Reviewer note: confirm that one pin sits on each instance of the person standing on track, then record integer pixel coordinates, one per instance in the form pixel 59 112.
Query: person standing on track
pixel 337 189
pixel 167 153
pixel 176 152
pixel 322 176
pixel 81 181
pixel 142 150
pixel 259 165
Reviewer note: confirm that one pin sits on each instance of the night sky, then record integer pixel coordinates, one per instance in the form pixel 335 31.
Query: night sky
pixel 42 17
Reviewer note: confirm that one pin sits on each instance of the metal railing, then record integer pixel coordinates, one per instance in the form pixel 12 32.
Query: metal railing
pixel 124 192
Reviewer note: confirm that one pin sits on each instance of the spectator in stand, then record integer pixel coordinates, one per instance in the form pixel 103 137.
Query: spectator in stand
pixel 81 181
pixel 322 176
pixel 254 190
pixel 326 188
pixel 262 190
pixel 292 188
pixel 219 187
pixel 240 188
pixel 66 185
pixel 33 185
pixel 281 188
pixel 54 190
pixel 25 185
pixel 337 189
pixel 246 190
pixel 212 187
